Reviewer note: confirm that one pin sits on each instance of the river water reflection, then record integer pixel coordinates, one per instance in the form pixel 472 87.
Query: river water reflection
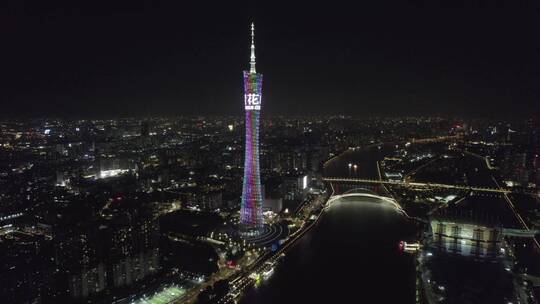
pixel 350 256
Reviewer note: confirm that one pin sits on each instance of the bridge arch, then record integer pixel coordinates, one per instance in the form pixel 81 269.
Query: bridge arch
pixel 385 200
pixel 360 190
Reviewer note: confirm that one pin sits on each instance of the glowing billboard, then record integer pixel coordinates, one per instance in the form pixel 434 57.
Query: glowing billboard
pixel 252 101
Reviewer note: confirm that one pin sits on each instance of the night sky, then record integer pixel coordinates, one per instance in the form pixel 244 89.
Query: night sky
pixel 175 58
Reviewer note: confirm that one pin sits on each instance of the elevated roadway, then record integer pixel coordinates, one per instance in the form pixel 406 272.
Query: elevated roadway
pixel 414 184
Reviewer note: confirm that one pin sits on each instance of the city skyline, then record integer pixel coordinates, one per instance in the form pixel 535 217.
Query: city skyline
pixel 154 60
pixel 148 210
pixel 394 156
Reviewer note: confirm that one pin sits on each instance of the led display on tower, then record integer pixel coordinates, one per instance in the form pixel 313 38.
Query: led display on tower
pixel 251 218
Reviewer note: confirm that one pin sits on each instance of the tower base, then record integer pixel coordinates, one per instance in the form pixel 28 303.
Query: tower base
pixel 250 231
pixel 270 235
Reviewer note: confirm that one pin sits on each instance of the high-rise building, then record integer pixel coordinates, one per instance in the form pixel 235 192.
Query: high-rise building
pixel 251 219
pixel 95 256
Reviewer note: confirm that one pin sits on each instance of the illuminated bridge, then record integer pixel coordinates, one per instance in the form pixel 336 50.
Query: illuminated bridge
pixel 412 184
pixel 364 193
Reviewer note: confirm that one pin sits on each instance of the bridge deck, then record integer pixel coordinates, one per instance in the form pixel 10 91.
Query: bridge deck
pixel 413 184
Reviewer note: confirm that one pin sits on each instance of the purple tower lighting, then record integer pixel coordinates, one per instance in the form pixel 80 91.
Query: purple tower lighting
pixel 251 218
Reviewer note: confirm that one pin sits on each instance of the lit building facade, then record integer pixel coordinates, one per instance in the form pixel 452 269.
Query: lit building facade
pixel 251 218
pixel 465 238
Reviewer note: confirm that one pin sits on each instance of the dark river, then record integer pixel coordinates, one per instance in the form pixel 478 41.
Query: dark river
pixel 350 256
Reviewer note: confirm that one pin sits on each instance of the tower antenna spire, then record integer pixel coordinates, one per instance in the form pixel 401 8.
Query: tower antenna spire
pixel 252 57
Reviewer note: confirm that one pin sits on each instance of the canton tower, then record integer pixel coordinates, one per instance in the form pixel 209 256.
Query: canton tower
pixel 251 218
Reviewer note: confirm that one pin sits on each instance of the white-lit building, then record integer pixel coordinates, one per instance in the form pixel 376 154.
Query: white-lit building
pixel 466 238
pixel 296 186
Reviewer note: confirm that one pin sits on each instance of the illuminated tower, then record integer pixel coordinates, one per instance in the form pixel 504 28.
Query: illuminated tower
pixel 251 219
